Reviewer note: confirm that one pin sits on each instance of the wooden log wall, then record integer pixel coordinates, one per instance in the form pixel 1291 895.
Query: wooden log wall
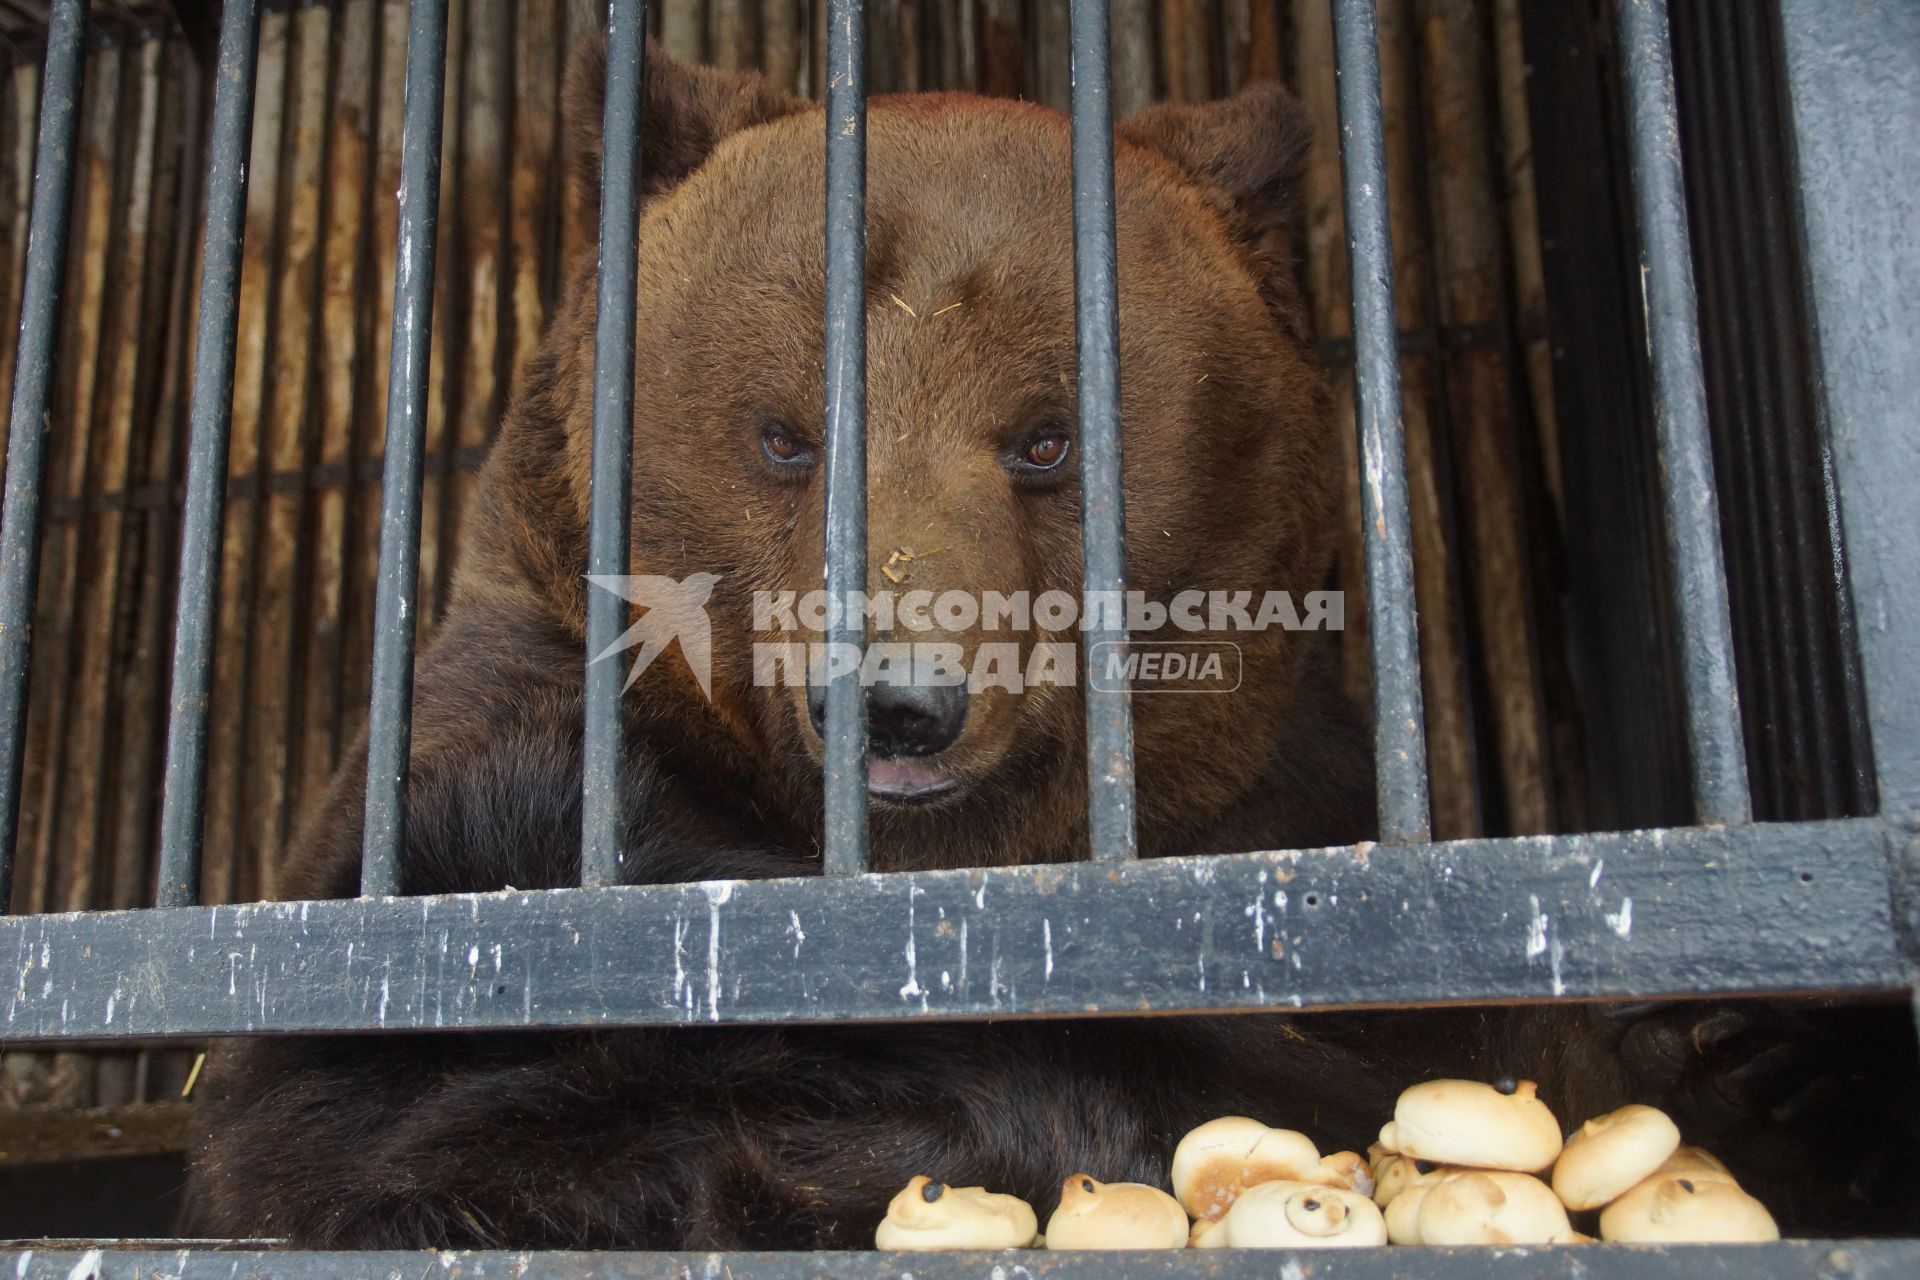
pixel 315 306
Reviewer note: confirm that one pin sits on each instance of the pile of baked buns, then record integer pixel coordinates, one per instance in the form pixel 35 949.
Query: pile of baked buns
pixel 1460 1163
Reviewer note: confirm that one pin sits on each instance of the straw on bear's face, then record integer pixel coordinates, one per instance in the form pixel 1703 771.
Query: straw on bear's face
pixel 972 438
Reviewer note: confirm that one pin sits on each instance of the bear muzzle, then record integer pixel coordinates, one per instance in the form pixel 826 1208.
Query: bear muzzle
pixel 906 722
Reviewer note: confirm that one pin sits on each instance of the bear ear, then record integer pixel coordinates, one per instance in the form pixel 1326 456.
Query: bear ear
pixel 687 111
pixel 1247 154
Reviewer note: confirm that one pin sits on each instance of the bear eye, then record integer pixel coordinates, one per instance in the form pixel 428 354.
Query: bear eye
pixel 1041 456
pixel 783 446
pixel 1048 451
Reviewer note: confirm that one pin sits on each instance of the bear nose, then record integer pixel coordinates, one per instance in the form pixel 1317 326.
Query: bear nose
pixel 914 719
pixel 903 719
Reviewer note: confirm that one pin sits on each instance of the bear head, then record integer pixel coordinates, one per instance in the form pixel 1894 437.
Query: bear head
pixel 1231 462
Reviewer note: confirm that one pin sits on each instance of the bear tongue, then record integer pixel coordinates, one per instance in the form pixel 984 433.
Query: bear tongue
pixel 895 777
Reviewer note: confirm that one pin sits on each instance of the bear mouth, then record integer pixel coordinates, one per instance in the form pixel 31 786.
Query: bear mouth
pixel 907 781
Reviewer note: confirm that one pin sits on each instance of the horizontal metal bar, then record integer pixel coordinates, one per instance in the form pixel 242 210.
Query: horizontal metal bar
pixel 396 602
pixel 845 829
pixel 1715 748
pixel 210 419
pixel 1399 724
pixel 1644 914
pixel 29 423
pixel 1854 77
pixel 1852 1259
pixel 603 812
pixel 1096 279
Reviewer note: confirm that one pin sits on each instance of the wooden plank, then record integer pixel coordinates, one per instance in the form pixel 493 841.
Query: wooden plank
pixel 1523 212
pixel 1049 54
pixel 580 217
pixel 1444 687
pixel 64 568
pixel 481 350
pixel 167 250
pixel 376 304
pixel 30 1135
pixel 1132 52
pixel 950 30
pixel 734 34
pixel 1187 40
pixel 144 691
pixel 817 49
pixel 1002 50
pixel 683 29
pixel 19 115
pixel 1470 260
pixel 883 47
pixel 343 357
pixel 1325 277
pixel 1264 52
pixel 225 873
pixel 54 882
pixel 446 371
pixel 91 742
pixel 535 183
pixel 783 37
pixel 289 400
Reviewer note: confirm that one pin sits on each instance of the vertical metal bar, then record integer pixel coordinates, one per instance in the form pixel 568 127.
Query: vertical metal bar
pixel 210 415
pixel 602 810
pixel 1714 745
pixel 29 423
pixel 1854 78
pixel 396 598
pixel 846 418
pixel 1110 798
pixel 1400 738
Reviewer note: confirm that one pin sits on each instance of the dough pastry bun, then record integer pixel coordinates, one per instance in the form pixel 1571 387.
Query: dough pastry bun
pixel 1222 1158
pixel 1115 1215
pixel 1477 1206
pixel 1481 1126
pixel 1609 1155
pixel 931 1215
pixel 1296 1215
pixel 1687 1208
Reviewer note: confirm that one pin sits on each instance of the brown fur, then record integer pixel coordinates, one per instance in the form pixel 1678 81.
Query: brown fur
pixel 798 1137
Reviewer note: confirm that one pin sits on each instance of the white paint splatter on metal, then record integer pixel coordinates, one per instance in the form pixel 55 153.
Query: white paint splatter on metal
pixel 1536 929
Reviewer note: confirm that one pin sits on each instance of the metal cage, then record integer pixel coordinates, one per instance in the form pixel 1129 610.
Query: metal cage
pixel 1721 906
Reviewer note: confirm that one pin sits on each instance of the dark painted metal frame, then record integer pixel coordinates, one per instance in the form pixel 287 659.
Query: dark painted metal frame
pixel 1644 914
pixel 1726 907
pixel 1399 723
pixel 1851 1259
pixel 29 423
pixel 603 808
pixel 396 607
pixel 845 415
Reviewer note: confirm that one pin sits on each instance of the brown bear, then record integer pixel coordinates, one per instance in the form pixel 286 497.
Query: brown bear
pixel 798 1137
